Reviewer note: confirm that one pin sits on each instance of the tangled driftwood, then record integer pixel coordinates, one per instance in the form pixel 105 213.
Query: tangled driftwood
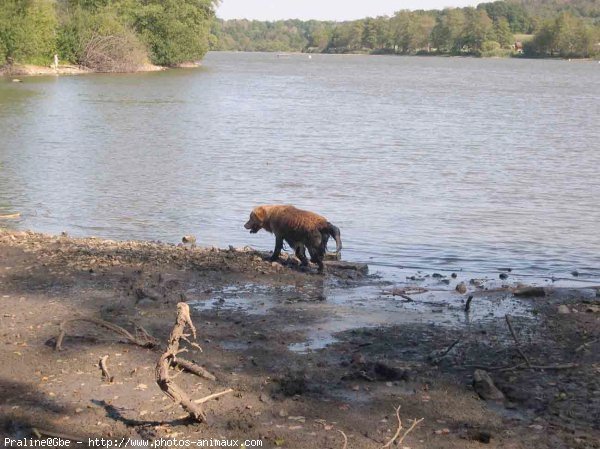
pixel 169 359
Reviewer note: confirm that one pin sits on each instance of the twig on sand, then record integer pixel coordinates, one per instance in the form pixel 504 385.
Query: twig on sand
pixel 437 359
pixel 105 374
pixel 345 439
pixel 523 366
pixel 410 429
pixel 514 336
pixel 143 339
pixel 213 396
pixel 586 344
pixel 169 358
pixel 450 347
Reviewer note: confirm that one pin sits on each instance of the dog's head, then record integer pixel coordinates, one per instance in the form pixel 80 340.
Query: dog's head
pixel 257 217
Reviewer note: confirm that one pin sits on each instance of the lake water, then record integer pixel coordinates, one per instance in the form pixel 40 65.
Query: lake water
pixel 428 163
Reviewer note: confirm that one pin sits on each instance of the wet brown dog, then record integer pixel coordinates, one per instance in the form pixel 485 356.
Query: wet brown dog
pixel 299 228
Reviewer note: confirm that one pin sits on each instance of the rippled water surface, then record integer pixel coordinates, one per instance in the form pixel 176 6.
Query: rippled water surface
pixel 433 163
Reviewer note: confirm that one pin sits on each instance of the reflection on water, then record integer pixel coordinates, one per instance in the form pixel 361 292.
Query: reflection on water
pixel 435 163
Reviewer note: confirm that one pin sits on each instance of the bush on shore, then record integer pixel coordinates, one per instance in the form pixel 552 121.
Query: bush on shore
pixel 100 41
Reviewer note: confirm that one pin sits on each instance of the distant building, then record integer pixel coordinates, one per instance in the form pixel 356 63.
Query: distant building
pixel 518 47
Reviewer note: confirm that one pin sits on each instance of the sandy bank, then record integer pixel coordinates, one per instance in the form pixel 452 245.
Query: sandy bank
pixel 35 70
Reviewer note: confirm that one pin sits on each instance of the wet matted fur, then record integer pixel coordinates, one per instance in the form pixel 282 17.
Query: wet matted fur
pixel 299 228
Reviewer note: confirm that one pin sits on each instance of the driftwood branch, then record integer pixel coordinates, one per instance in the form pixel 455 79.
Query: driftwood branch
pixel 163 379
pixel 105 374
pixel 518 345
pixel 397 434
pixel 143 339
pixel 192 368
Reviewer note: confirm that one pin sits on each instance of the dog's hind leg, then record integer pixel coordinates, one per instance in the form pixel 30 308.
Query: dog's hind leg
pixel 278 248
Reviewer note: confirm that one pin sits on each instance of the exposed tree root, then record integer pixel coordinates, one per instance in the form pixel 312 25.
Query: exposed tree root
pixel 142 338
pixel 193 368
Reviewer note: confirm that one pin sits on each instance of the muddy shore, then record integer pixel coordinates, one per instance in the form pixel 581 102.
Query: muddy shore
pixel 257 322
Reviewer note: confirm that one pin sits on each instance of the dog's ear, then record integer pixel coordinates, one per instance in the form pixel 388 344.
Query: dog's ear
pixel 260 213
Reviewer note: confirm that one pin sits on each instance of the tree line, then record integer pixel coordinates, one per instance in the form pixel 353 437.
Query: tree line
pixel 546 27
pixel 105 35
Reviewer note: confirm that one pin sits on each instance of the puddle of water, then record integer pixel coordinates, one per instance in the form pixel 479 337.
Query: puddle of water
pixel 323 310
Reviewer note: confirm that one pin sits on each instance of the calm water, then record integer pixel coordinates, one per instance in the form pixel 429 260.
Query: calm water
pixel 434 163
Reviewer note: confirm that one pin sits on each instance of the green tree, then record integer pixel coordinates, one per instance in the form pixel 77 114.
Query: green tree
pixel 447 35
pixel 479 28
pixel 503 33
pixel 369 34
pixel 175 31
pixel 27 30
pixel 565 36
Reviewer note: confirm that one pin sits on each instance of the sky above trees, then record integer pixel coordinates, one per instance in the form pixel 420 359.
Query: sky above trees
pixel 326 9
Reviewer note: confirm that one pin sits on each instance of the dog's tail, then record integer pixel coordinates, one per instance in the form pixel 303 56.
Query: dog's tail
pixel 334 232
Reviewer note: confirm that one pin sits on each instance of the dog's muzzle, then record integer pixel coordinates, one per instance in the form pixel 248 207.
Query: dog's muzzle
pixel 254 228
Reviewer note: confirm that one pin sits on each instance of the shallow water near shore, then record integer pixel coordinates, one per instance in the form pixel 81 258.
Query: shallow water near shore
pixel 426 164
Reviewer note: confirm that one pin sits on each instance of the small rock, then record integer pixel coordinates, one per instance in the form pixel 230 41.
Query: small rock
pixel 563 309
pixel 283 413
pixel 386 372
pixel 575 273
pixel 592 309
pixel 461 288
pixel 482 436
pixel 358 358
pixel 485 387
pixel 16 80
pixel 454 275
pixel 503 276
pixel 445 431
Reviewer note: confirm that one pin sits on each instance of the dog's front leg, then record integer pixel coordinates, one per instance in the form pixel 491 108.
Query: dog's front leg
pixel 278 248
